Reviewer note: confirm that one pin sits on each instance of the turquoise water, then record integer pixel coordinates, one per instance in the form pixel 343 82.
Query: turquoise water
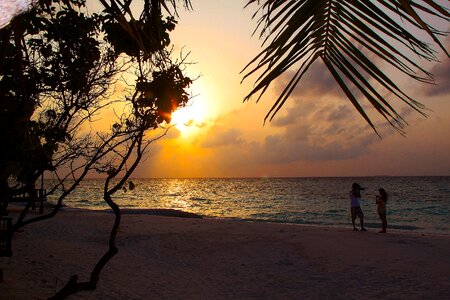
pixel 419 204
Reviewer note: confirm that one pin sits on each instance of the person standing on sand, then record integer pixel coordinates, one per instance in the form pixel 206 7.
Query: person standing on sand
pixel 381 200
pixel 356 211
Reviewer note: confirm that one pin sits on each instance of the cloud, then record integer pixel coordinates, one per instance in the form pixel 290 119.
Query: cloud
pixel 219 136
pixel 280 150
pixel 315 129
pixel 317 80
pixel 318 123
pixel 294 113
pixel 327 130
pixel 441 72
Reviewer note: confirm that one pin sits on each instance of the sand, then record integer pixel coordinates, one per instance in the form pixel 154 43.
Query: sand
pixel 183 258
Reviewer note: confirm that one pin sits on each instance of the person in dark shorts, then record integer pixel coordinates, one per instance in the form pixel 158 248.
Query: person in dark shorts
pixel 356 211
pixel 381 200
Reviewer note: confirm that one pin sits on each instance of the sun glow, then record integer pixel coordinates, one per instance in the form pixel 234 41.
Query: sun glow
pixel 189 119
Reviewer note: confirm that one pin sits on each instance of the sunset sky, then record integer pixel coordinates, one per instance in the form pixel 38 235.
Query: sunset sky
pixel 317 133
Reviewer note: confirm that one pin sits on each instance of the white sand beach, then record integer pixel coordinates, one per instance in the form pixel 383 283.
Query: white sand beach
pixel 181 258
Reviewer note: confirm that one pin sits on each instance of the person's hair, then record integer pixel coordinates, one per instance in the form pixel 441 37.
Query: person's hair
pixel 383 194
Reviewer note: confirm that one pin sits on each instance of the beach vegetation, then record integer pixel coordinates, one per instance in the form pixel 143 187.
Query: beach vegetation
pixel 357 42
pixel 60 71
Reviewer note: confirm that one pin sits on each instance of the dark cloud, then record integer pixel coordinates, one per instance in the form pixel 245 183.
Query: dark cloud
pixel 280 150
pixel 298 111
pixel 441 72
pixel 218 137
pixel 317 129
pixel 305 117
pixel 325 134
pixel 316 81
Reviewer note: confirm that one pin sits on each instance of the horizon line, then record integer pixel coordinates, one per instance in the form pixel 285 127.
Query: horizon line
pixel 276 177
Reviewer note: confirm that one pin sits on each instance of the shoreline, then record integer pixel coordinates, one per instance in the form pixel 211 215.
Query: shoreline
pixel 188 258
pixel 169 212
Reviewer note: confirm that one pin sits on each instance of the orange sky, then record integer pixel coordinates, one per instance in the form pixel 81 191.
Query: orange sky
pixel 317 133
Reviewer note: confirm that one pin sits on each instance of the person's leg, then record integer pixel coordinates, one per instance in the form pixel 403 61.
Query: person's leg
pixel 362 225
pixel 353 213
pixel 361 220
pixel 354 226
pixel 382 216
pixel 383 222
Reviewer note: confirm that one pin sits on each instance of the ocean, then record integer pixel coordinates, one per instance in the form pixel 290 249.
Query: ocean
pixel 420 204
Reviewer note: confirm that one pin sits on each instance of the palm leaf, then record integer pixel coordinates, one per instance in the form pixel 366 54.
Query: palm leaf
pixel 344 35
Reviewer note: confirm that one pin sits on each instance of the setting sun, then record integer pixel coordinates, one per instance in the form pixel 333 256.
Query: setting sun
pixel 189 119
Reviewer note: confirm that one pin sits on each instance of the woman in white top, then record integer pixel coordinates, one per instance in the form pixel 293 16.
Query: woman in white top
pixel 356 211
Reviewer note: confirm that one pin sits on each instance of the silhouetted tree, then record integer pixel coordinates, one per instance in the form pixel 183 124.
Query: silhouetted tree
pixel 58 69
pixel 55 77
pixel 58 65
pixel 344 35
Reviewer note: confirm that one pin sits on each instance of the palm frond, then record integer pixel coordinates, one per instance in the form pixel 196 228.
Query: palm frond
pixel 344 35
